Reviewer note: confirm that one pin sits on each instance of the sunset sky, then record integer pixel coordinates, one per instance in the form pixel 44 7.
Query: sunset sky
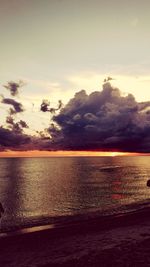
pixel 58 48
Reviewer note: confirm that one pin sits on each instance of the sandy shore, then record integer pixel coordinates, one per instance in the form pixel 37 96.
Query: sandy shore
pixel 119 241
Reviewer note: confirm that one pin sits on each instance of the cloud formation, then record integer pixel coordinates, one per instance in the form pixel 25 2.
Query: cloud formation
pixel 103 120
pixel 16 127
pixel 45 106
pixel 13 87
pixel 12 133
pixel 12 140
pixel 16 106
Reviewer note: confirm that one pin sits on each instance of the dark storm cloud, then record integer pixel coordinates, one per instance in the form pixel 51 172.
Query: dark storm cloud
pixel 16 106
pixel 103 120
pixel 13 87
pixel 23 124
pixel 16 127
pixel 12 134
pixel 9 139
pixel 45 106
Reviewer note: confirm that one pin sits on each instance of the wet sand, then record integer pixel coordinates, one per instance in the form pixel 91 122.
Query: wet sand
pixel 122 240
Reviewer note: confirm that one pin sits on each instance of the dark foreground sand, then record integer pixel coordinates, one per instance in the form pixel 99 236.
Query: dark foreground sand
pixel 119 241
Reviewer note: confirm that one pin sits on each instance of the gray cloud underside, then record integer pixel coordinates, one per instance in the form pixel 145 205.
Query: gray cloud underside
pixel 11 139
pixel 103 121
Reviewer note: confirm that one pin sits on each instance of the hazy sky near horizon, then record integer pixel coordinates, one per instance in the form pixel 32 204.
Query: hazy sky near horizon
pixel 62 46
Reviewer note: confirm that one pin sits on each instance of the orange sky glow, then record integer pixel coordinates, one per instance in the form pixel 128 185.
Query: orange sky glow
pixel 37 153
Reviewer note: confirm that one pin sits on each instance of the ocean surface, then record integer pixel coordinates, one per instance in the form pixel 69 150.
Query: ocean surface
pixel 39 191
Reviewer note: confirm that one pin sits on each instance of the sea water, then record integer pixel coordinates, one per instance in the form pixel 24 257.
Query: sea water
pixel 38 191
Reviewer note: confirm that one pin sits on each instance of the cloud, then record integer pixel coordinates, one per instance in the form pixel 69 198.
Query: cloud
pixel 23 124
pixel 13 87
pixel 12 134
pixel 17 107
pixel 103 120
pixel 11 139
pixel 16 127
pixel 45 106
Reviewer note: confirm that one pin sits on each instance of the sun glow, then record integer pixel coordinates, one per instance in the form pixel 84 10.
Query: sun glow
pixel 114 154
pixel 37 153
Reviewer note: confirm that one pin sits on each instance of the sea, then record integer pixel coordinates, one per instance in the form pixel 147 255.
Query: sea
pixel 55 190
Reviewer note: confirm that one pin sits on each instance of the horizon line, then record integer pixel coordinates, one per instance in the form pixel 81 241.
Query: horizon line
pixel 66 153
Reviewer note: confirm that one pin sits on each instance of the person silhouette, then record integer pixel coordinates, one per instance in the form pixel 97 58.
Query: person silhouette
pixel 1 209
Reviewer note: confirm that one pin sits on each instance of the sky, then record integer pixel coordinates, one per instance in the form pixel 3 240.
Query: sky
pixel 58 48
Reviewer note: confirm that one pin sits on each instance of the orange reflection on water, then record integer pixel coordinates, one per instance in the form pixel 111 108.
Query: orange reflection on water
pixel 116 189
pixel 117 196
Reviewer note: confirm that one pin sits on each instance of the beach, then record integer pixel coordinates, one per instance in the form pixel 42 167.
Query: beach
pixel 122 240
